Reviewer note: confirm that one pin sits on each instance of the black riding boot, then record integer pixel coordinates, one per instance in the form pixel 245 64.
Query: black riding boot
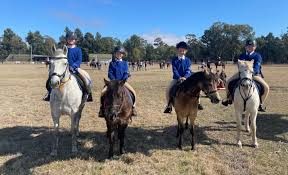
pixel 261 108
pixel 200 107
pixel 90 98
pixel 49 89
pixel 101 110
pixel 168 109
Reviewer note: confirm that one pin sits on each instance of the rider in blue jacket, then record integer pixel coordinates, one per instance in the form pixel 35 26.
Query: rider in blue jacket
pixel 249 55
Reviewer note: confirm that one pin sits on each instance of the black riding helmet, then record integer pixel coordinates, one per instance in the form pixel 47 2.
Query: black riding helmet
pixel 182 45
pixel 71 36
pixel 119 49
pixel 250 42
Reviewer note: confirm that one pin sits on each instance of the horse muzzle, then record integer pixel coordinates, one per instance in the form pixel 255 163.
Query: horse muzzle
pixel 214 97
pixel 55 82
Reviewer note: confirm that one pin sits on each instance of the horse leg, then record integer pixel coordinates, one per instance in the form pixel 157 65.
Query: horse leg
pixel 238 120
pixel 74 131
pixel 111 143
pixel 56 135
pixel 121 136
pixel 254 127
pixel 181 128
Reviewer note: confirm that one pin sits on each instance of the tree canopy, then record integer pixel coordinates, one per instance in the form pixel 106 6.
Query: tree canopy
pixel 219 40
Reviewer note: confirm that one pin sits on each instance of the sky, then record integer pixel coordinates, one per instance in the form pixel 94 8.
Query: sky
pixel 170 20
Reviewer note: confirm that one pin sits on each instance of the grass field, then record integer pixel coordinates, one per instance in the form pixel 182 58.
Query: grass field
pixel 26 125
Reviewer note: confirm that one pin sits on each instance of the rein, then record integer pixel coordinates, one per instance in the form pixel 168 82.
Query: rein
pixel 251 87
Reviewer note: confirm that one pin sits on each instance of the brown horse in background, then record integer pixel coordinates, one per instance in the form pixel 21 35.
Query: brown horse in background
pixel 117 103
pixel 186 100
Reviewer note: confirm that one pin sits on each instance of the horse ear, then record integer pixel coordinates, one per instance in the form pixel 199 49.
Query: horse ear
pixel 53 49
pixel 106 82
pixel 65 50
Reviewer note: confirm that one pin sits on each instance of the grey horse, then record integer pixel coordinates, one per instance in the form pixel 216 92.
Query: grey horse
pixel 66 96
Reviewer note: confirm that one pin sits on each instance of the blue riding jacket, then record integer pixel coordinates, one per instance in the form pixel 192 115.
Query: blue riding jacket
pixel 181 68
pixel 118 70
pixel 74 58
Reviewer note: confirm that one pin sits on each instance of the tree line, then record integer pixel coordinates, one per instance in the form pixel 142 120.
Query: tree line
pixel 220 40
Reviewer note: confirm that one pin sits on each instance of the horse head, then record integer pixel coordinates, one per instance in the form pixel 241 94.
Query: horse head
pixel 208 84
pixel 245 72
pixel 114 99
pixel 58 66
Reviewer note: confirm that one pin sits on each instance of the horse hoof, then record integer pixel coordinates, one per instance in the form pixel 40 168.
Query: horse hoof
pixel 255 145
pixel 239 144
pixel 180 147
pixel 53 153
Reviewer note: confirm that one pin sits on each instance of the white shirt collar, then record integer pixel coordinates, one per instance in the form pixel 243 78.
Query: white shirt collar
pixel 118 59
pixel 249 53
pixel 181 57
pixel 71 46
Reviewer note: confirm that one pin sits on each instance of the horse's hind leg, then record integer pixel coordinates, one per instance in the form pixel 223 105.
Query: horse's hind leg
pixel 121 137
pixel 254 127
pixel 56 135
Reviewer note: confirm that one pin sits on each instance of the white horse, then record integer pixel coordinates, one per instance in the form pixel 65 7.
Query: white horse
pixel 246 101
pixel 66 96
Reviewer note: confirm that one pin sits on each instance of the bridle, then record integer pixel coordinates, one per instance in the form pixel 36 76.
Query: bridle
pixel 117 107
pixel 251 88
pixel 62 76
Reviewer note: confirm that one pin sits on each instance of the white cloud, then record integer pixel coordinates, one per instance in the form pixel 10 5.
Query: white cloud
pixel 168 38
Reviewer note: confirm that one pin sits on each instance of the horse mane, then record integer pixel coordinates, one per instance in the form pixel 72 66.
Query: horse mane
pixel 192 81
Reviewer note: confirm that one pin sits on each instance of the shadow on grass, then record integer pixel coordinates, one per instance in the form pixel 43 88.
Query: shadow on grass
pixel 273 127
pixel 29 147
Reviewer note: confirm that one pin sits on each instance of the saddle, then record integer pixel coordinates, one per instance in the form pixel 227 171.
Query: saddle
pixel 80 83
pixel 173 91
pixel 131 95
pixel 234 84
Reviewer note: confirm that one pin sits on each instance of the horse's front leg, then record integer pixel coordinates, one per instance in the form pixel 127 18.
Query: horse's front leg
pixel 121 136
pixel 238 116
pixel 55 118
pixel 254 128
pixel 181 128
pixel 247 125
pixel 74 119
pixel 111 137
pixel 192 131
